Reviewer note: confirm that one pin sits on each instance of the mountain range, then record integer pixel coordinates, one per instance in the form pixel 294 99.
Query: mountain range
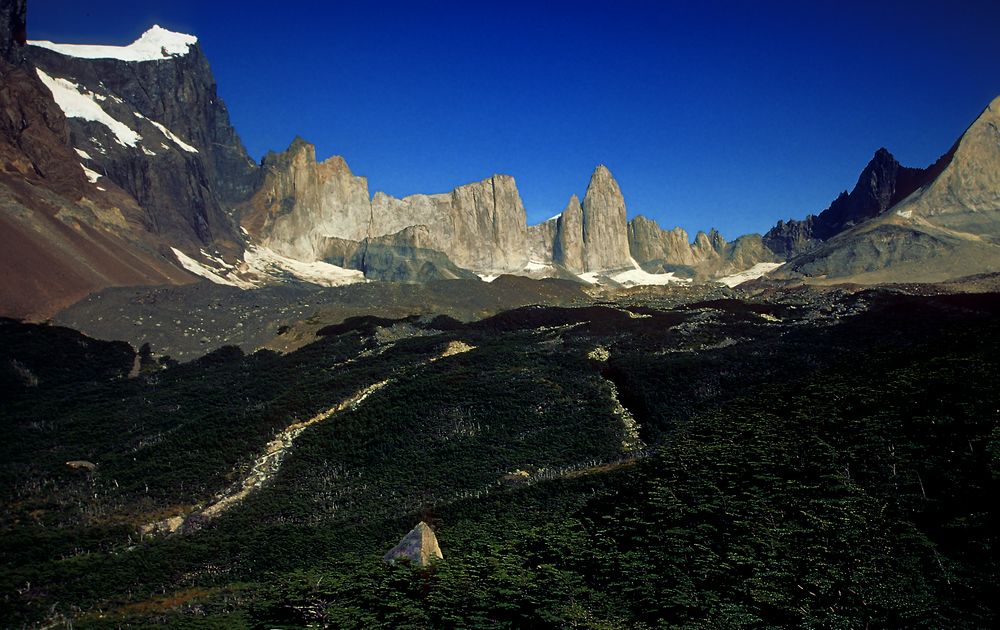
pixel 120 167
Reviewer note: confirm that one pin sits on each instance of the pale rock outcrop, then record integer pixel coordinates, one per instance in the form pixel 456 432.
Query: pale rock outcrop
pixel 709 256
pixel 708 246
pixel 419 547
pixel 305 210
pixel 965 196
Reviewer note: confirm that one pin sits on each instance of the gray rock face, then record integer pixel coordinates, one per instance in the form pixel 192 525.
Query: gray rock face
pixel 708 246
pixel 648 243
pixel 792 237
pixel 406 256
pixel 745 252
pixel 592 236
pixel 965 195
pixel 605 235
pixel 541 239
pixel 301 204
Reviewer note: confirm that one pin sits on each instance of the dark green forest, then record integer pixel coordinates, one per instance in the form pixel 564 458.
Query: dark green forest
pixel 824 464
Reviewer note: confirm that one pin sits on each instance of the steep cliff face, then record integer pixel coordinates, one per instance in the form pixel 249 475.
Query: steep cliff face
pixel 883 183
pixel 708 246
pixel 541 239
pixel 148 118
pixel 592 236
pixel 605 234
pixel 302 205
pixel 650 243
pixel 480 226
pixel 792 237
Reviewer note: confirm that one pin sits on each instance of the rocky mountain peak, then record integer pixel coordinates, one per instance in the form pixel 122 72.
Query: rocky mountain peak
pixel 883 183
pixel 882 154
pixel 605 236
pixel 965 195
pixel 943 222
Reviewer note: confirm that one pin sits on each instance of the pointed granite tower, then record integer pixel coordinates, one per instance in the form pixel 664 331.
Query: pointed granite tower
pixel 605 233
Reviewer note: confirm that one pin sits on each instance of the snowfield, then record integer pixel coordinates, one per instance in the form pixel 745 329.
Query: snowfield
pixel 262 265
pixel 639 277
pixel 758 270
pixel 83 104
pixel 155 44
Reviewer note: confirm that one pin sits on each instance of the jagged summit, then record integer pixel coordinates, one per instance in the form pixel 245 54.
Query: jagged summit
pixel 883 183
pixel 946 228
pixel 155 44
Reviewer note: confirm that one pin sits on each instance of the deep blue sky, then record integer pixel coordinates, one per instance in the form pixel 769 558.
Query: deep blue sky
pixel 725 114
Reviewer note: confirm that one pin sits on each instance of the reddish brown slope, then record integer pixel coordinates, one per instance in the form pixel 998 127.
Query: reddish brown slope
pixel 61 237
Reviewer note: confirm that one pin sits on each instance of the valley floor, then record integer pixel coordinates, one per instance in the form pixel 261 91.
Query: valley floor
pixel 794 458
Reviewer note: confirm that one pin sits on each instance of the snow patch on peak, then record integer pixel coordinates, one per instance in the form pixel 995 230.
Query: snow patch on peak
pixel 155 44
pixel 77 102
